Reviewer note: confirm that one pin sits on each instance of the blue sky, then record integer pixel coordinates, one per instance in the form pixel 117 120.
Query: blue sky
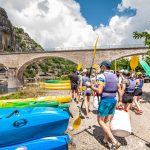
pixel 61 23
pixel 98 12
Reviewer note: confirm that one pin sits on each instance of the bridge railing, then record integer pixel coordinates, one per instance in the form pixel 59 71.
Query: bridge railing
pixel 129 46
pixel 98 47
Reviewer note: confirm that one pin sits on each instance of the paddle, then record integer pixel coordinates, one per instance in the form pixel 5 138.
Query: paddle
pixel 79 66
pixel 134 61
pixel 77 121
pixel 93 57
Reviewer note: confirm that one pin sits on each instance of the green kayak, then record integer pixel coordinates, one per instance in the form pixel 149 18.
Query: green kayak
pixel 57 81
pixel 33 104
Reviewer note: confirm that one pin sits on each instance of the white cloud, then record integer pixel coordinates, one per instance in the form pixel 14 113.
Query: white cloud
pixel 120 29
pixel 59 23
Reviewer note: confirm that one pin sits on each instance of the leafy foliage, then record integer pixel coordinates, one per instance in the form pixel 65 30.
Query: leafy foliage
pixel 124 63
pixel 60 68
pixel 146 35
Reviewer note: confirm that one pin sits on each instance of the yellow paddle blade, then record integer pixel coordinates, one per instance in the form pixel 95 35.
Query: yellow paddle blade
pixel 77 123
pixel 95 45
pixel 79 66
pixel 134 61
pixel 95 66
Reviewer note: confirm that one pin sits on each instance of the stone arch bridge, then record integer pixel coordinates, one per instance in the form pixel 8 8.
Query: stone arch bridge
pixel 17 62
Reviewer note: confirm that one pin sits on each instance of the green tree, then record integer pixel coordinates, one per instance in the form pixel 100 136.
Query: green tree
pixel 122 63
pixel 145 35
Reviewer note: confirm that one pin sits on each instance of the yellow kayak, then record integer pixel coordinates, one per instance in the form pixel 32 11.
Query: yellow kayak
pixel 61 99
pixel 57 81
pixel 55 85
pixel 58 88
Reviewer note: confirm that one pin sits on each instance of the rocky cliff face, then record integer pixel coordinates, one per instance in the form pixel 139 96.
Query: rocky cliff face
pixel 6 31
pixel 14 38
pixel 24 43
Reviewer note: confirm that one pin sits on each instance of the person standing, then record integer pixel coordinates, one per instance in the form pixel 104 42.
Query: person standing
pixel 128 88
pixel 74 85
pixel 87 92
pixel 138 93
pixel 108 86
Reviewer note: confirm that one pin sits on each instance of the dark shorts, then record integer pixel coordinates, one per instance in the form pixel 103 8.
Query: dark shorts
pixel 127 97
pixel 74 87
pixel 87 92
pixel 138 92
pixel 106 108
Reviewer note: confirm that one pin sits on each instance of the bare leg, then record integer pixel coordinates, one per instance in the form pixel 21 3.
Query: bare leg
pixel 86 105
pixel 76 94
pixel 136 100
pixel 72 94
pixel 107 121
pixel 106 129
pixel 127 106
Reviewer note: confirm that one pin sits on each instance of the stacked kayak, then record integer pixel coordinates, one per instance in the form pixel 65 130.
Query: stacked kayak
pixel 48 143
pixel 19 125
pixel 56 85
pixel 28 104
pixel 60 99
pixel 57 81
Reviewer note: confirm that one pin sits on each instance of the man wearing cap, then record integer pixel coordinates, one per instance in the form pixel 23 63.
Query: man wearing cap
pixel 108 86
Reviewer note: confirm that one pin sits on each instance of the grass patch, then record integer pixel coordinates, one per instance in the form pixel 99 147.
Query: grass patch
pixel 27 92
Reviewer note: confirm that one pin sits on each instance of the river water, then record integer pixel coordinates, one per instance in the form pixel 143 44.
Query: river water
pixel 4 89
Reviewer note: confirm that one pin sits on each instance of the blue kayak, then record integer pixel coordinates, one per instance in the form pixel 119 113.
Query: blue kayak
pixel 48 143
pixel 26 124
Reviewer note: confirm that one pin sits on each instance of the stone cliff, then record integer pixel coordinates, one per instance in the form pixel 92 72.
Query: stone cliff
pixel 14 39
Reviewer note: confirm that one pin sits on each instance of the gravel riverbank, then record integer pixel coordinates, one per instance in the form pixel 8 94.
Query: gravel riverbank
pixel 88 136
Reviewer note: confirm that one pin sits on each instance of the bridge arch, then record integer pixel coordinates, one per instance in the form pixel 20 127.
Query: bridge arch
pixel 19 61
pixel 22 68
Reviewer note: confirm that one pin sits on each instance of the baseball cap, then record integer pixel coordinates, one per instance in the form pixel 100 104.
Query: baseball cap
pixel 105 63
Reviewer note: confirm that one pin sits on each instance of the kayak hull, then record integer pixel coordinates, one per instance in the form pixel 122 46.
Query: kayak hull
pixel 48 143
pixel 57 88
pixel 60 99
pixel 30 124
pixel 57 84
pixel 28 104
pixel 57 81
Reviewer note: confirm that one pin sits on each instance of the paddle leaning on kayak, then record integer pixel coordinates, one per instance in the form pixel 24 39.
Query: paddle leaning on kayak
pixel 108 87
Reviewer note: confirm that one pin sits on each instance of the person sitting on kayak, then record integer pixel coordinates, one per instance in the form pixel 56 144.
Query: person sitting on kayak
pixel 108 86
pixel 138 92
pixel 128 88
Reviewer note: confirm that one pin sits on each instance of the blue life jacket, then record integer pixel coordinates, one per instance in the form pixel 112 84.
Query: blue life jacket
pixel 141 84
pixel 111 85
pixel 84 80
pixel 131 87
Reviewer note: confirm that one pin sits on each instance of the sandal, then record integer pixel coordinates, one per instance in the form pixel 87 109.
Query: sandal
pixel 105 143
pixel 115 146
pixel 139 112
pixel 125 110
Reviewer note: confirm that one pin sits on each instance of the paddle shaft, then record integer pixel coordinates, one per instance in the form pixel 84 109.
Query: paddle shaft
pixel 89 77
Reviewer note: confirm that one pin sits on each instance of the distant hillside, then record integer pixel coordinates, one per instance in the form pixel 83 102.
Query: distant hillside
pixel 50 68
pixel 14 39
